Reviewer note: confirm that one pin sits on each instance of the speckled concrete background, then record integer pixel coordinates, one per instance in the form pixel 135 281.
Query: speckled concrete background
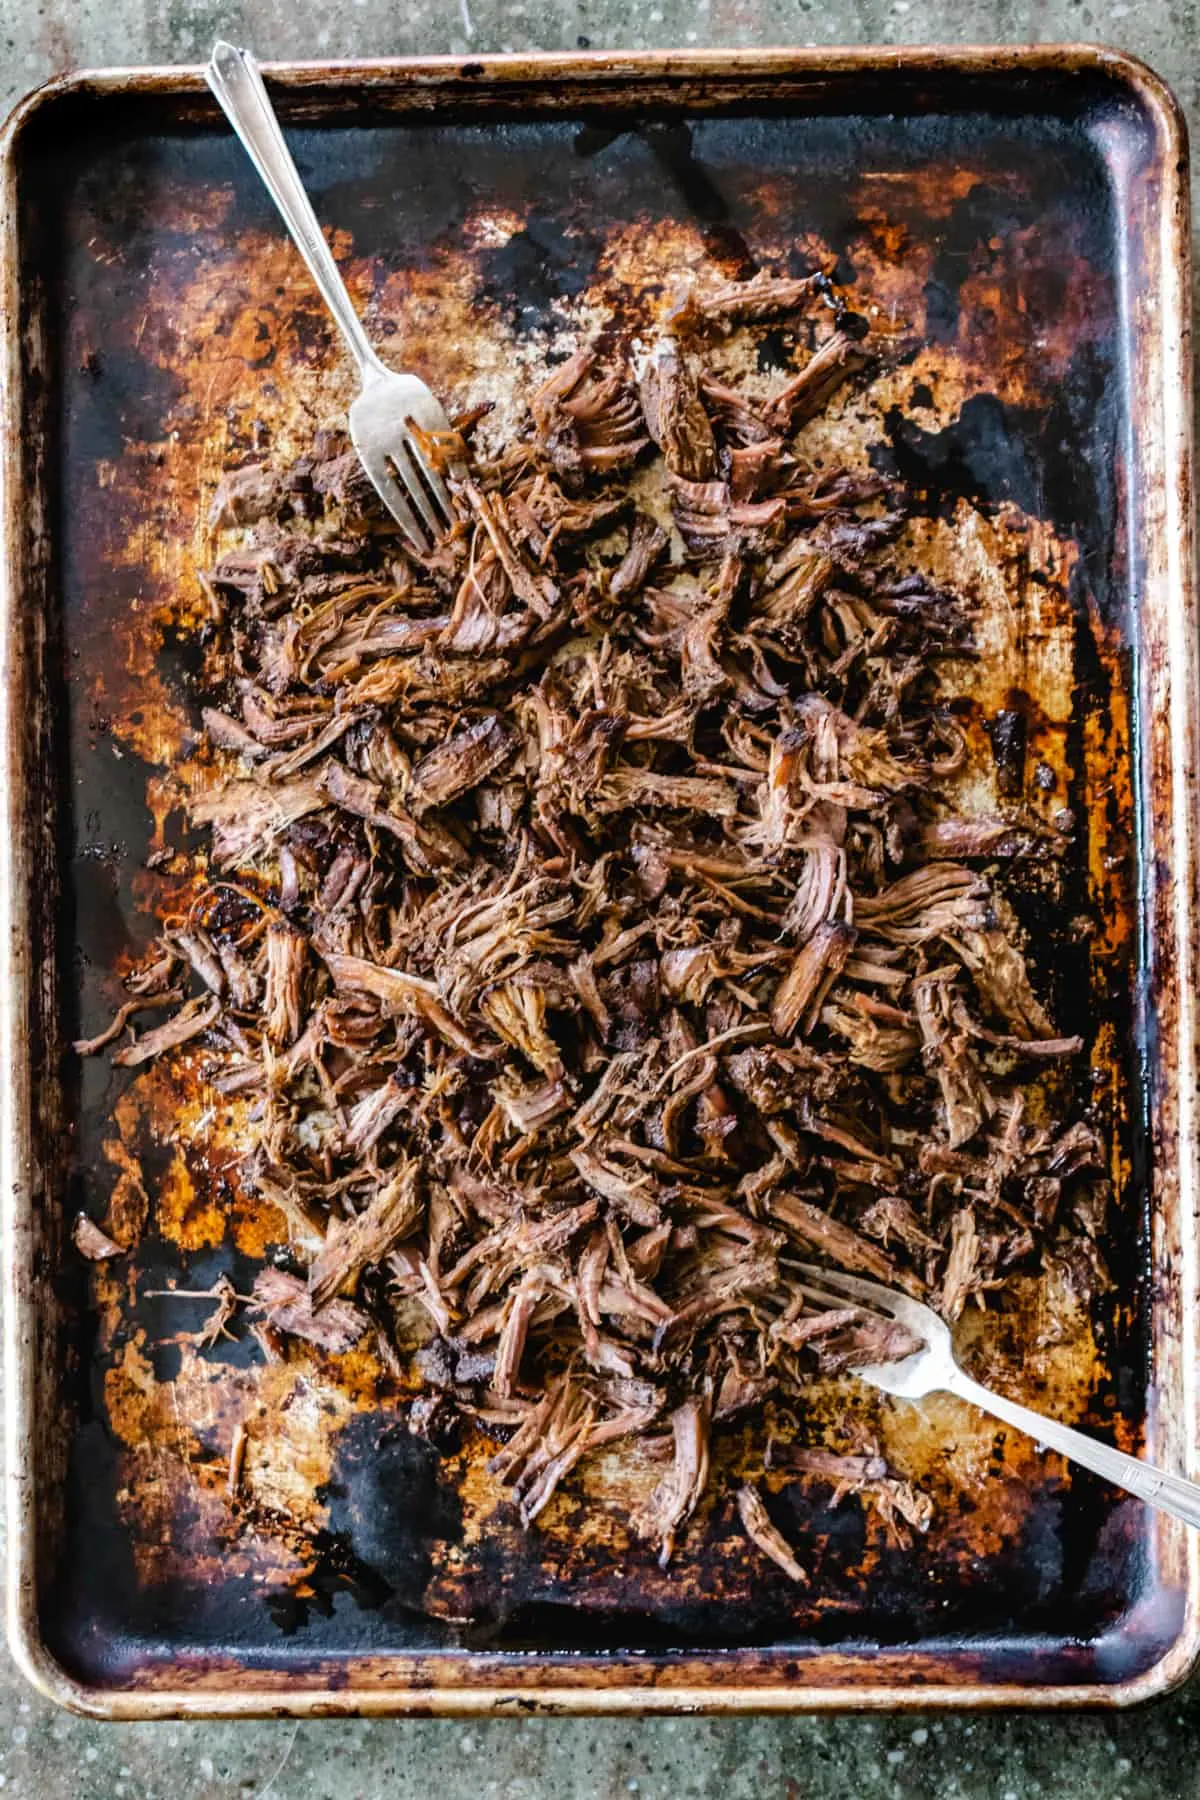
pixel 1150 1755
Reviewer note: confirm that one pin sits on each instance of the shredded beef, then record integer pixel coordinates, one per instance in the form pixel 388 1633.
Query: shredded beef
pixel 591 930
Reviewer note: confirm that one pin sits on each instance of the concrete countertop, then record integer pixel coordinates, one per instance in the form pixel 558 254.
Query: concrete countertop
pixel 1153 1754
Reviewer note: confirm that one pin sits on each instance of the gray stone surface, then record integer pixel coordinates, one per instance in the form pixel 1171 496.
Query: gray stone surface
pixel 1151 1755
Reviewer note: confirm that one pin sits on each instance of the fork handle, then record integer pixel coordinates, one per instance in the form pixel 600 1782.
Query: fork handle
pixel 1169 1493
pixel 234 78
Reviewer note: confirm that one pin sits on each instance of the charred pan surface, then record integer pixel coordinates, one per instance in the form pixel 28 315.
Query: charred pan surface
pixel 235 1471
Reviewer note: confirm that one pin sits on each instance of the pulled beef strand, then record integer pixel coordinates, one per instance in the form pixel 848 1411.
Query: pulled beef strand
pixel 593 929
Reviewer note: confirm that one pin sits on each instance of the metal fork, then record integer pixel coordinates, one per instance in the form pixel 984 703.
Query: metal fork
pixel 932 1370
pixel 382 416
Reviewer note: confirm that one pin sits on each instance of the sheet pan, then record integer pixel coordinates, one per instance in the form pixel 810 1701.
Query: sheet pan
pixel 1022 215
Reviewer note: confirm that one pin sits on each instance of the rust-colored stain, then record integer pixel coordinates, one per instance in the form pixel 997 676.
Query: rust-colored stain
pixel 983 289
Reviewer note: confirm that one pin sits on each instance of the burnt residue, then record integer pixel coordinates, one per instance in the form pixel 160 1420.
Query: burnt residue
pixel 143 220
pixel 673 146
pixel 100 825
pixel 691 185
pixel 389 1497
pixel 1055 461
pixel 975 231
pixel 121 398
pixel 336 1570
pixel 1008 734
pixel 536 269
pixel 776 349
pixel 1019 1590
pixel 177 1301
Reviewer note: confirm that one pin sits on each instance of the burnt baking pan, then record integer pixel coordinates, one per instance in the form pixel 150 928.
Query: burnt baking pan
pixel 1022 216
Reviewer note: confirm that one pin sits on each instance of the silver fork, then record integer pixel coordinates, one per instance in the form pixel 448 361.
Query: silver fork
pixel 382 416
pixel 933 1370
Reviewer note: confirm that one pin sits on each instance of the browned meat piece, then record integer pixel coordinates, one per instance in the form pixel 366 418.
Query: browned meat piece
pixel 482 618
pixel 880 1036
pixel 998 971
pixel 197 948
pixel 820 891
pixel 554 1434
pixel 689 974
pixel 529 1109
pixel 242 983
pixel 814 495
pixel 763 296
pixel 246 495
pixel 1039 1049
pixel 287 956
pixel 753 469
pixel 517 1014
pixel 372 636
pixel 550 512
pixel 124 1013
pixel 810 975
pixel 831 1464
pixel 288 1306
pixel 156 973
pixel 817 382
pixel 426 848
pixel 811 1327
pixel 966 1267
pixel 898 1504
pixel 630 1191
pixel 711 524
pixel 793 584
pixel 227 733
pixel 737 418
pixel 276 723
pixel 352 1245
pixel 586 421
pixel 647 542
pixel 759 1530
pixel 964 1096
pixel 899 1507
pixel 848 759
pixel 524 1304
pixel 738 1392
pixel 93 1243
pixel 843 1246
pixel 459 764
pixel 217 1325
pixel 991 837
pixel 776 1080
pixel 237 1460
pixel 344 481
pixel 674 416
pixel 187 1023
pixel 399 993
pixel 246 817
pixel 628 787
pixel 929 903
pixel 536 590
pixel 676 1497
pixel 891 1216
pixel 371 1116
pixel 858 1339
pixel 1078 1148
